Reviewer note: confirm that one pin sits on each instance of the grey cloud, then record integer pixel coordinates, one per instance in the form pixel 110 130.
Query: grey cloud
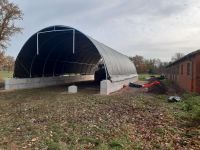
pixel 98 12
pixel 147 27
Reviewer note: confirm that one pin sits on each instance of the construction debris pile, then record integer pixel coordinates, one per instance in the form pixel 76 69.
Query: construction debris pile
pixel 154 85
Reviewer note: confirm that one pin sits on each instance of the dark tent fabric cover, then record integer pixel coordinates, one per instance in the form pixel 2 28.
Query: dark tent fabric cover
pixel 56 56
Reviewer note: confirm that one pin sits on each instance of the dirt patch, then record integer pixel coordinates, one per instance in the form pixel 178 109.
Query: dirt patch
pixel 158 89
pixel 131 91
pixel 165 87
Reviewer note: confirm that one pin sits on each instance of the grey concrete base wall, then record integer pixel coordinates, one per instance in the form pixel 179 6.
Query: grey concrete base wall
pixel 26 83
pixel 108 86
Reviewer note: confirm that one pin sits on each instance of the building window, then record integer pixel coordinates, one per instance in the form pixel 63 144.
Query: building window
pixel 188 68
pixel 182 69
pixel 178 70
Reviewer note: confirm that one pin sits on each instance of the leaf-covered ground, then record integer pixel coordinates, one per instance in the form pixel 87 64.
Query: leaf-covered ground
pixel 49 118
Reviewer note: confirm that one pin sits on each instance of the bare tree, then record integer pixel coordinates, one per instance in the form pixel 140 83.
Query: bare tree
pixel 151 66
pixel 177 56
pixel 2 59
pixel 9 14
pixel 139 62
pixel 9 63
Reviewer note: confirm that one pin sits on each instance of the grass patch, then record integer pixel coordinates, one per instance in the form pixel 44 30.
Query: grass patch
pixel 51 145
pixel 89 140
pixel 190 107
pixel 143 77
pixel 115 145
pixel 6 74
pixel 160 131
pixel 122 142
pixel 187 115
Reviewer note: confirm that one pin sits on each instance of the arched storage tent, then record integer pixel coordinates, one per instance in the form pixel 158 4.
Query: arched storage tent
pixel 53 54
pixel 59 50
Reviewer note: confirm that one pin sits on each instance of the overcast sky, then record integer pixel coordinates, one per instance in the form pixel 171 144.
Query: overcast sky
pixel 151 28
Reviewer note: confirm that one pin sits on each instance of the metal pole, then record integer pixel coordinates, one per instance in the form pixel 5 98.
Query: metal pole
pixel 37 44
pixel 106 72
pixel 55 31
pixel 73 41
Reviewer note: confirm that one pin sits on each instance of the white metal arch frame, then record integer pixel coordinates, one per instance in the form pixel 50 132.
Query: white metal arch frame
pixel 117 65
pixel 54 30
pixel 38 50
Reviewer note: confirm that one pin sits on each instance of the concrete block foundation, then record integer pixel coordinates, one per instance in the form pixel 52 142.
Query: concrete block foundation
pixel 108 86
pixel 27 83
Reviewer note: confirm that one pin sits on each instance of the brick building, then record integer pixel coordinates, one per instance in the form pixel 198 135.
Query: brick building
pixel 185 72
